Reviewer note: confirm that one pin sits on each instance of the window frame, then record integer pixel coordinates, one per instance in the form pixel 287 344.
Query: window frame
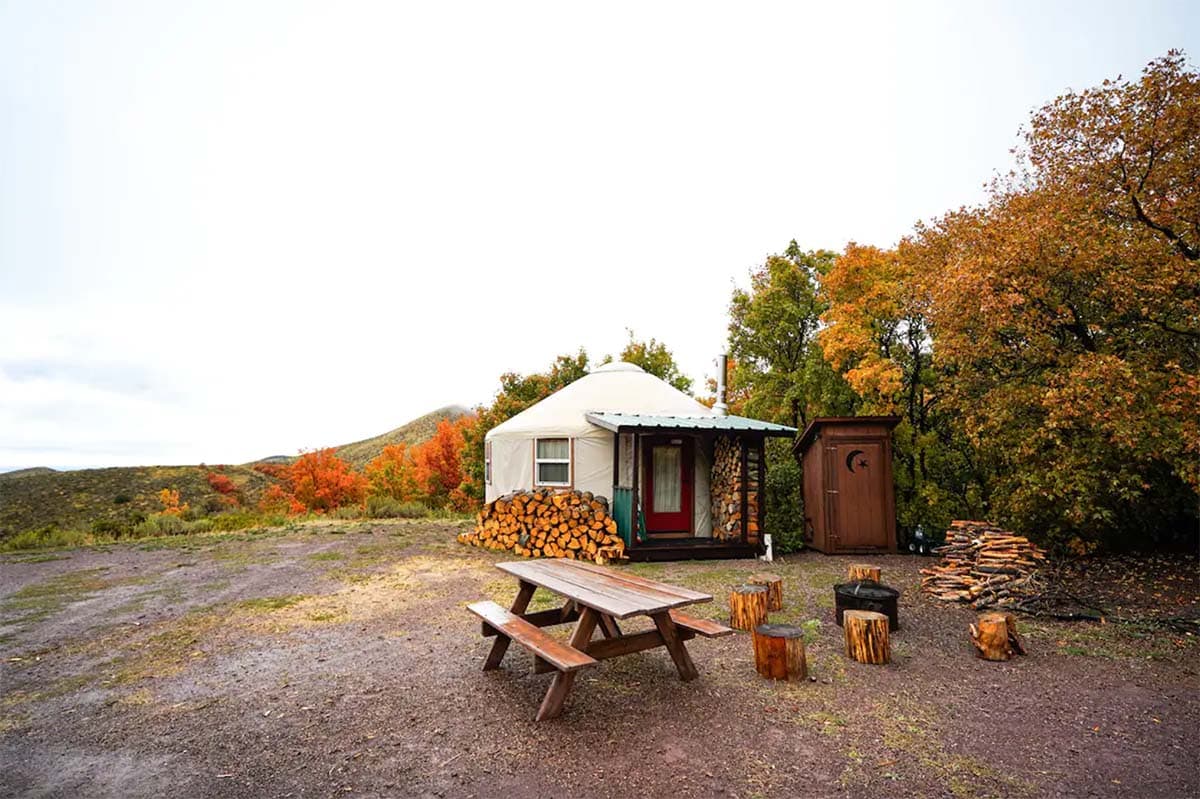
pixel 487 463
pixel 569 460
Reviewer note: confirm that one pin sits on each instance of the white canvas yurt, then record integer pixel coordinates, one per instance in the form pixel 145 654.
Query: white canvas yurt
pixel 626 435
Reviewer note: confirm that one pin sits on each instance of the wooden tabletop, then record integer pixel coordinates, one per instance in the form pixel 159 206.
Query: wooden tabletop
pixel 613 593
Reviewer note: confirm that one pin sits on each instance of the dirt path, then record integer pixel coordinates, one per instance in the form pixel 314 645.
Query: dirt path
pixel 338 660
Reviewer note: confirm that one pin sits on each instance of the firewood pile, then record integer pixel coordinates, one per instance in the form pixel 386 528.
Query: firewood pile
pixel 985 566
pixel 726 485
pixel 548 524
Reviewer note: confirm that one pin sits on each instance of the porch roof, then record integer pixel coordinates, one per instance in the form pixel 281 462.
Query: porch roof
pixel 619 422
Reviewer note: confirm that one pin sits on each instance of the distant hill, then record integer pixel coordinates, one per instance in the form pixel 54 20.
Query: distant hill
pixel 40 496
pixel 122 494
pixel 27 472
pixel 359 453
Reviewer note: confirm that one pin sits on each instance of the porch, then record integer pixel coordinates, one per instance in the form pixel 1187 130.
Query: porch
pixel 689 487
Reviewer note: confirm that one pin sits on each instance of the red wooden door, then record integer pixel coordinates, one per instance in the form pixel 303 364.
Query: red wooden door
pixel 670 469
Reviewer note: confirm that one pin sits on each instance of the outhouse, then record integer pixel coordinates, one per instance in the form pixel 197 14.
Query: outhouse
pixel 849 495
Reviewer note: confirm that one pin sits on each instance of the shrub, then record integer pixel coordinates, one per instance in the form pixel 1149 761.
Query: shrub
pixel 221 483
pixel 160 524
pixel 384 507
pixel 122 499
pixel 109 527
pixel 43 537
pixel 347 512
pixel 784 499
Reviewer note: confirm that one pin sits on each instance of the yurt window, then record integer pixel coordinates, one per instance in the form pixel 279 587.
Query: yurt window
pixel 553 462
pixel 487 462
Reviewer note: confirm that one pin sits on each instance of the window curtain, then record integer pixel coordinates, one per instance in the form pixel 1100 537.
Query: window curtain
pixel 668 491
pixel 554 449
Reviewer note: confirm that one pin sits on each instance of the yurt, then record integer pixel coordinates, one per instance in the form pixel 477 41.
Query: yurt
pixel 683 480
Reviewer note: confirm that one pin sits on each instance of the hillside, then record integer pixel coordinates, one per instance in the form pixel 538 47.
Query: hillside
pixel 27 472
pixel 122 495
pixel 39 496
pixel 359 453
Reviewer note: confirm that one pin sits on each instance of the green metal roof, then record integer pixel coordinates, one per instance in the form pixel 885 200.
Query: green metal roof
pixel 729 424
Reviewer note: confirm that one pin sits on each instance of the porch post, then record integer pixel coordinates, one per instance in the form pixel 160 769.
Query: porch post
pixel 637 457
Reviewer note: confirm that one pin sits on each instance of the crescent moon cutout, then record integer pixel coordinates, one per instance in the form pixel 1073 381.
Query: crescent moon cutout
pixel 850 458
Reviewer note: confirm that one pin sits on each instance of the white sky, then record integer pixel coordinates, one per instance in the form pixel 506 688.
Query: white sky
pixel 231 230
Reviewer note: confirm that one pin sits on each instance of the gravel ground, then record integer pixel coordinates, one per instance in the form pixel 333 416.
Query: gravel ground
pixel 339 659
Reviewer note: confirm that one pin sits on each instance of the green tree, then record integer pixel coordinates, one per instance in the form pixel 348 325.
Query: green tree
pixel 517 392
pixel 655 358
pixel 780 374
pixel 773 340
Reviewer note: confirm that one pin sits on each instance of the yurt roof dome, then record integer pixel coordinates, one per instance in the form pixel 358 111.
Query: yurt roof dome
pixel 618 387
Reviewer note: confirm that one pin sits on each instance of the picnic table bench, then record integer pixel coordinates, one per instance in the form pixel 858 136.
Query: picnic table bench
pixel 595 598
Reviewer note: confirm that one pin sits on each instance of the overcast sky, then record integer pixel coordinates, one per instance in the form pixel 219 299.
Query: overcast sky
pixel 232 230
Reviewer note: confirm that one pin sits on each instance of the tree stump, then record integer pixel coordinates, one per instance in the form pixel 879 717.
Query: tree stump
pixel 774 585
pixel 995 636
pixel 867 636
pixel 747 606
pixel 864 571
pixel 779 652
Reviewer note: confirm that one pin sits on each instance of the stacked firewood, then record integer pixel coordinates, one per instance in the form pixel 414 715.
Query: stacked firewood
pixel 984 565
pixel 726 488
pixel 548 524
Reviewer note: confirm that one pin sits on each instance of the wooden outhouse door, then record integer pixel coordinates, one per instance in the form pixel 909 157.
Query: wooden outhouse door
pixel 859 519
pixel 670 473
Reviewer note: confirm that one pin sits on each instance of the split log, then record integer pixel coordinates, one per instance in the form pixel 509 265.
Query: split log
pixel 867 636
pixel 983 565
pixel 995 636
pixel 548 524
pixel 774 586
pixel 747 606
pixel 864 571
pixel 779 652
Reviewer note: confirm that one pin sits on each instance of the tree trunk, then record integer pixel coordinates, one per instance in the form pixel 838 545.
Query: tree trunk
pixel 864 571
pixel 774 586
pixel 867 636
pixel 995 636
pixel 779 652
pixel 747 606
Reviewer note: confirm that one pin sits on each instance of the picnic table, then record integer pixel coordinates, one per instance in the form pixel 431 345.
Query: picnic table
pixel 594 598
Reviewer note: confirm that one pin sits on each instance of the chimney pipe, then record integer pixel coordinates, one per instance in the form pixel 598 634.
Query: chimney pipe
pixel 719 407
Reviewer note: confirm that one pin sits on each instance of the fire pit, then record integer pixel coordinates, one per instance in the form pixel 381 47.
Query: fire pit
pixel 867 595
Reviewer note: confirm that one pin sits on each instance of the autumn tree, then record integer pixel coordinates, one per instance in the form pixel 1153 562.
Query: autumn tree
pixel 392 473
pixel 438 464
pixel 876 334
pixel 517 392
pixel 654 357
pixel 321 481
pixel 1066 311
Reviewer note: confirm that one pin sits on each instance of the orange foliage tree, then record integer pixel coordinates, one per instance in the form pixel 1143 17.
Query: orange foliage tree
pixel 430 472
pixel 169 497
pixel 321 481
pixel 393 474
pixel 438 463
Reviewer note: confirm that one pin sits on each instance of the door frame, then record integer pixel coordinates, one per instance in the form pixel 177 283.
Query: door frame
pixel 687 483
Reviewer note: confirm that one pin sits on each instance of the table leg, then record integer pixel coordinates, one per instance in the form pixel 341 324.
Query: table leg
pixel 608 626
pixel 560 686
pixel 679 654
pixel 500 645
